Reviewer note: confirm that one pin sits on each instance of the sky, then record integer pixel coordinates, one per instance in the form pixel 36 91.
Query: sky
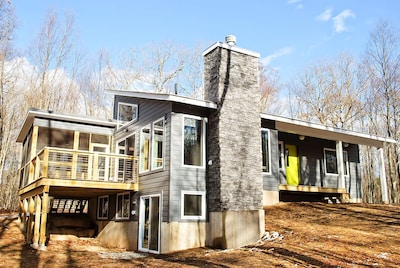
pixel 289 34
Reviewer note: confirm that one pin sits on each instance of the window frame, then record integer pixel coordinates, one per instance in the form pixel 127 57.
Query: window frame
pixel 121 123
pixel 269 171
pixel 203 205
pixel 117 217
pixel 153 140
pixel 141 170
pixel 345 163
pixel 203 139
pixel 100 203
pixel 125 150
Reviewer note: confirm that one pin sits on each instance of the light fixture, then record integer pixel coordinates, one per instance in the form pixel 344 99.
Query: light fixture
pixel 302 137
pixel 345 144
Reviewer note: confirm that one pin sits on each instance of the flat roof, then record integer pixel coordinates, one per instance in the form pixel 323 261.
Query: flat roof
pixel 304 128
pixel 164 97
pixel 47 114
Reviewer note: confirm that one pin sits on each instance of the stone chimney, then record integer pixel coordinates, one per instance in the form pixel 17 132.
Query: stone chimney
pixel 234 186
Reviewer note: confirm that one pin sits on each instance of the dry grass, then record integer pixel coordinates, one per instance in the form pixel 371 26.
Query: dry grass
pixel 313 235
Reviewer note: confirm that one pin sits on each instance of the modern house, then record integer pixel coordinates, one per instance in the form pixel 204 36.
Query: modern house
pixel 170 173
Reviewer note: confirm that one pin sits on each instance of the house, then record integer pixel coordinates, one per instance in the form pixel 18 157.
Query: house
pixel 170 173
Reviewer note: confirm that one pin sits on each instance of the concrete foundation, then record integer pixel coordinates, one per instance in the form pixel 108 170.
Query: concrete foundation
pixel 270 198
pixel 122 234
pixel 177 236
pixel 232 229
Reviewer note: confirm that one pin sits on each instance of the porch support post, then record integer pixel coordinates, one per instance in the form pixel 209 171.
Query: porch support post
pixel 29 230
pixel 340 166
pixel 36 231
pixel 382 173
pixel 43 223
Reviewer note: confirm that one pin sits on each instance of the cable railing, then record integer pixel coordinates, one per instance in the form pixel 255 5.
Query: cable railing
pixel 67 164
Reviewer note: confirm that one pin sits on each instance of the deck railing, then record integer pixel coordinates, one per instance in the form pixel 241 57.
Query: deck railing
pixel 58 163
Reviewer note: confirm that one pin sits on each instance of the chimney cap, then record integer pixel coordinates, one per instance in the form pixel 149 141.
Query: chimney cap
pixel 230 40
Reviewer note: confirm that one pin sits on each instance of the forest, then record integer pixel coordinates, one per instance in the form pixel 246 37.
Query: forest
pixel 356 92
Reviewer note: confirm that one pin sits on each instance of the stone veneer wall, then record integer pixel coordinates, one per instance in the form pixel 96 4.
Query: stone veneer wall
pixel 231 79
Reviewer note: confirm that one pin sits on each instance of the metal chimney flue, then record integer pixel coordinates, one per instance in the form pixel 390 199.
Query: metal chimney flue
pixel 230 40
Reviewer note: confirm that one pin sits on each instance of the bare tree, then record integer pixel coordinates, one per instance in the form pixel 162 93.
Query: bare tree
pixel 330 93
pixel 270 87
pixel 382 71
pixel 96 101
pixel 159 67
pixel 56 63
pixel 8 112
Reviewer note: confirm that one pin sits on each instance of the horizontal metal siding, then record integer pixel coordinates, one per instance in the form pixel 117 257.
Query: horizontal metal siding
pixel 152 182
pixel 271 181
pixel 182 178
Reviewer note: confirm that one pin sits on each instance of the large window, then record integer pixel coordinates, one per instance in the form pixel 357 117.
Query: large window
pixel 126 113
pixel 102 207
pixel 158 140
pixel 266 152
pixel 193 205
pixel 152 146
pixel 123 201
pixel 144 149
pixel 331 162
pixel 125 166
pixel 193 141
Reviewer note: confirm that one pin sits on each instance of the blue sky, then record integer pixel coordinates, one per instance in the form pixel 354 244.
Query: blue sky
pixel 289 34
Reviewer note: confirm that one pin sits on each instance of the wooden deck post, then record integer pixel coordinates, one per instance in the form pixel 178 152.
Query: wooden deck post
pixel 382 171
pixel 75 155
pixel 24 209
pixel 29 230
pixel 43 223
pixel 45 166
pixel 35 132
pixel 36 231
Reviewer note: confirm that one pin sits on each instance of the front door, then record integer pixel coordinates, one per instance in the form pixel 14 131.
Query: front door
pixel 149 224
pixel 292 165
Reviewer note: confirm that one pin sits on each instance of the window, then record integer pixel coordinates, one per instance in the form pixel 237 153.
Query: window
pixel 102 207
pixel 144 149
pixel 193 205
pixel 282 165
pixel 158 139
pixel 266 153
pixel 126 113
pixel 331 162
pixel 193 141
pixel 125 166
pixel 123 207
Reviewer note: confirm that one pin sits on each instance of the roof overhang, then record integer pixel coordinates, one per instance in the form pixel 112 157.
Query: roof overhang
pixel 164 97
pixel 47 114
pixel 299 127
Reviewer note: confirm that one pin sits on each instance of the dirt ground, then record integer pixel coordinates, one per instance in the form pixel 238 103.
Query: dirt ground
pixel 300 234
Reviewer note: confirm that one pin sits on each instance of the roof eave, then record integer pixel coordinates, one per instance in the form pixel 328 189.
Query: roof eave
pixel 324 132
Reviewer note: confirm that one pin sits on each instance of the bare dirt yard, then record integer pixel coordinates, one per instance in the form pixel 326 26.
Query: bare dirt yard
pixel 300 234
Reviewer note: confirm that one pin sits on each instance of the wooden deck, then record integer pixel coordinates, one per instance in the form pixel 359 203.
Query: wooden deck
pixel 311 189
pixel 56 167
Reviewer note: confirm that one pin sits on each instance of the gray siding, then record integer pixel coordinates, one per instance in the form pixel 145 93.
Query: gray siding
pixel 182 177
pixel 271 181
pixel 157 181
pixel 312 164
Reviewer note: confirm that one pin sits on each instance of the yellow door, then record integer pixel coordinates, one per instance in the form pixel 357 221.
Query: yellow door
pixel 292 165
